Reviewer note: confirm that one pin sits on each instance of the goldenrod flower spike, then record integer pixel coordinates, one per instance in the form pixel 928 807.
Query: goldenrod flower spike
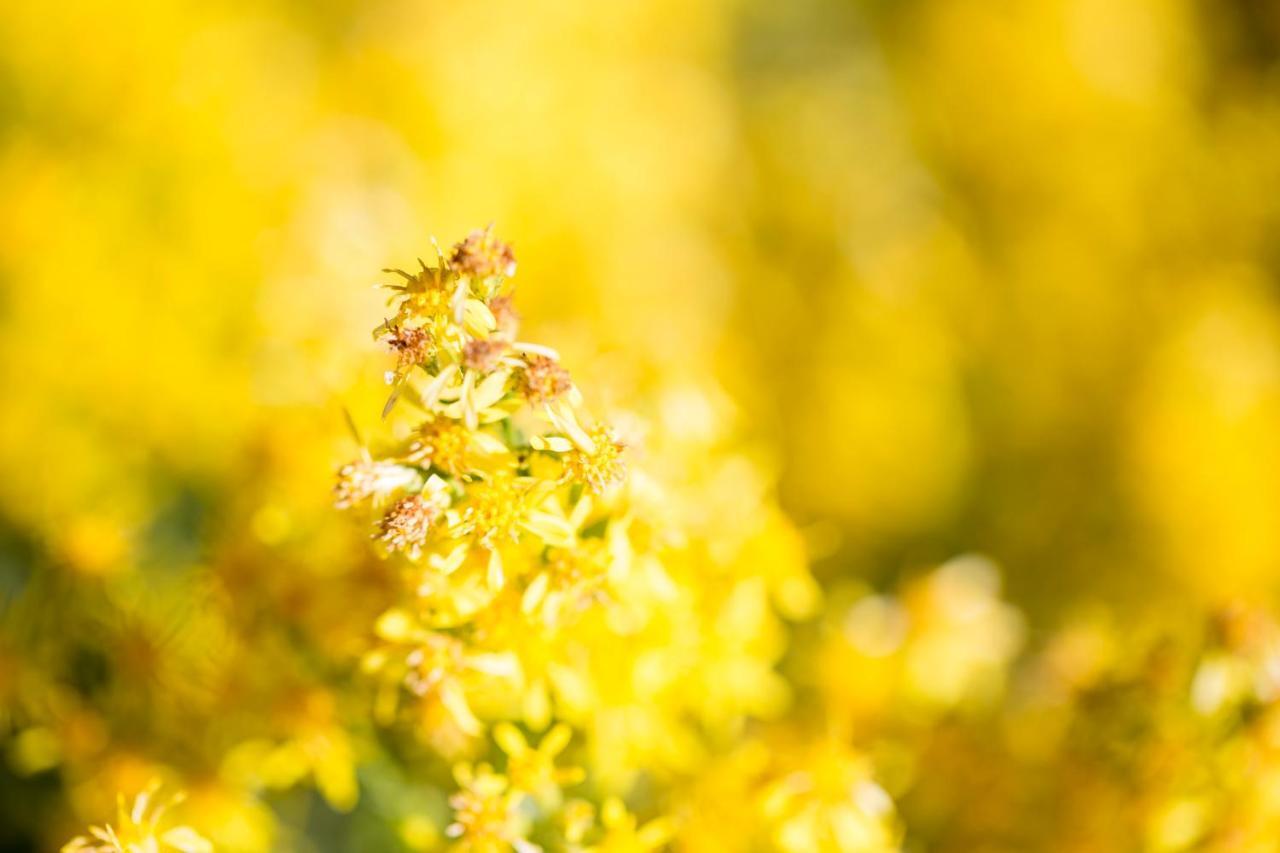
pixel 488 492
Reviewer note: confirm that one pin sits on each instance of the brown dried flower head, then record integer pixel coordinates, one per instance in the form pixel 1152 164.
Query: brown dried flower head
pixel 406 525
pixel 484 354
pixel 411 345
pixel 544 379
pixel 482 255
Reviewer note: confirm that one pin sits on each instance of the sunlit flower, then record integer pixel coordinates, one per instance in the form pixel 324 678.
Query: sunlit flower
pixel 486 814
pixel 140 829
pixel 624 834
pixel 358 481
pixel 443 444
pixel 406 525
pixel 474 400
pixel 830 804
pixel 533 769
pixel 541 591
pixel 597 465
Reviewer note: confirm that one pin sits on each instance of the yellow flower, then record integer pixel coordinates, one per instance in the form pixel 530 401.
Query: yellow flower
pixel 443 444
pixel 623 834
pixel 139 830
pixel 596 464
pixel 316 745
pixel 532 769
pixel 475 401
pixel 364 479
pixel 406 525
pixel 486 815
pixel 574 578
pixel 830 803
pixel 496 510
pixel 436 667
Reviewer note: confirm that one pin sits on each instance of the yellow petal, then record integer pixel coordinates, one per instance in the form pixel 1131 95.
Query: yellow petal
pixel 495 577
pixel 492 389
pixel 187 840
pixel 508 737
pixel 556 740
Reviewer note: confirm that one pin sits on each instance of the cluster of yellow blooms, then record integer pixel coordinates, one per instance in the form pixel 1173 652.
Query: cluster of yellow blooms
pixel 548 581
pixel 584 623
pixel 541 581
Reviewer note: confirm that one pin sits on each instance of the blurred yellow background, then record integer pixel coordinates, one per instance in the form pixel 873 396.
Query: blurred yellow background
pixel 977 277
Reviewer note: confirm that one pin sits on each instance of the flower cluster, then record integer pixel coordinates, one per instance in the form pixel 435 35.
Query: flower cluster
pixel 502 492
pixel 549 578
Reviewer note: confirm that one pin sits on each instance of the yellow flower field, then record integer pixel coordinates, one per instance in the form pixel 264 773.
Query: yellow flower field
pixel 613 426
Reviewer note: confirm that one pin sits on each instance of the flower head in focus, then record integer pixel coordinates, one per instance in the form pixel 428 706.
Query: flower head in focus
pixel 547 587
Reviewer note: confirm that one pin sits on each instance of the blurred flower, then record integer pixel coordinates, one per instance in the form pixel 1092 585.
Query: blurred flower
pixel 140 829
pixel 486 812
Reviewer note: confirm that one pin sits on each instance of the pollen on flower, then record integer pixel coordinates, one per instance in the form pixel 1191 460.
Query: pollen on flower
pixel 411 345
pixel 600 468
pixel 406 525
pixel 482 255
pixel 443 444
pixel 543 379
pixel 355 484
pixel 496 509
pixel 485 354
pixel 523 604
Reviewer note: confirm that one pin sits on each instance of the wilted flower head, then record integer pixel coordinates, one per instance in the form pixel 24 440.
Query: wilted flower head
pixel 411 345
pixel 544 380
pixel 406 525
pixel 484 355
pixel 482 255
